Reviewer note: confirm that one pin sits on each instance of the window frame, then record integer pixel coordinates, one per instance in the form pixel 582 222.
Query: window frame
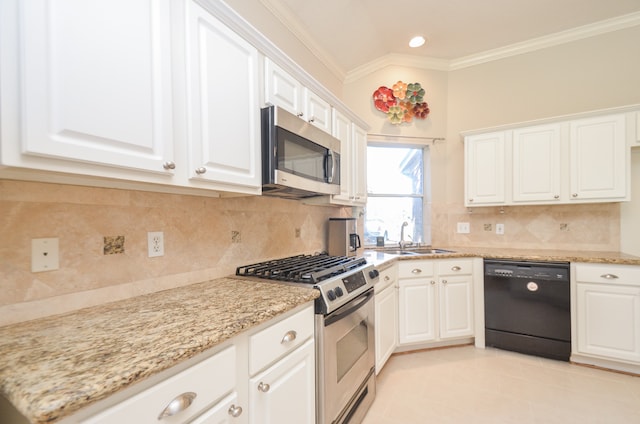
pixel 426 183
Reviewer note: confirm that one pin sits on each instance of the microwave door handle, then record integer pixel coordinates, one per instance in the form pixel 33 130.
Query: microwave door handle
pixel 330 171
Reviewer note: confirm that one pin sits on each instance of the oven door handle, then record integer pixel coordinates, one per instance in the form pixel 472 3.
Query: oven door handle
pixel 339 314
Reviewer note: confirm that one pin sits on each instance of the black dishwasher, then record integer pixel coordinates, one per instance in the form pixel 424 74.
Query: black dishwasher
pixel 527 307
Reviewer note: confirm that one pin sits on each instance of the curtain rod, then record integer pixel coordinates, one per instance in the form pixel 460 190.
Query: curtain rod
pixel 386 137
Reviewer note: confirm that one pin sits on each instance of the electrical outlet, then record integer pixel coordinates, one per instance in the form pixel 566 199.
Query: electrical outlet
pixel 464 228
pixel 44 254
pixel 500 229
pixel 297 232
pixel 155 243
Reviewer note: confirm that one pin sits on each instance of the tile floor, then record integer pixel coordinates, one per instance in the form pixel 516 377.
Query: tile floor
pixel 477 386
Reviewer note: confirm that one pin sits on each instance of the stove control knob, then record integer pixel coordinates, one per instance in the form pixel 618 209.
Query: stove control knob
pixel 339 291
pixel 331 295
pixel 374 273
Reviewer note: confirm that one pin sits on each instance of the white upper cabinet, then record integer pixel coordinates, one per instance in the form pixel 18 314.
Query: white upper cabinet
pixel 282 89
pixel 92 85
pixel 598 158
pixel 342 131
pixel 353 161
pixel 223 107
pixel 570 161
pixel 485 169
pixel 536 164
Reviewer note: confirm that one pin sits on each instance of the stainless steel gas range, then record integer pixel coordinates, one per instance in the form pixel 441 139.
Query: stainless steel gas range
pixel 344 328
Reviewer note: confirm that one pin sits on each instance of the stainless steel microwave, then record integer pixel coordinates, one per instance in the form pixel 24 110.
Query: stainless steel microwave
pixel 298 159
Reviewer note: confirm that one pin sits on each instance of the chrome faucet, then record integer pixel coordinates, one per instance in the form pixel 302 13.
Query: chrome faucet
pixel 403 243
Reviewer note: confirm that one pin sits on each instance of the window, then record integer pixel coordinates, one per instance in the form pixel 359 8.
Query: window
pixel 396 194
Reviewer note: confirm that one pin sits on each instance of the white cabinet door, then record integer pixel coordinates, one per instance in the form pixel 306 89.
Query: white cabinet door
pixel 485 169
pixel 598 165
pixel 456 306
pixel 536 164
pixel 417 310
pixel 342 131
pixel 227 411
pixel 285 392
pixel 94 83
pixel 386 320
pixel 223 108
pixel 281 89
pixel 608 321
pixel 359 166
pixel 317 112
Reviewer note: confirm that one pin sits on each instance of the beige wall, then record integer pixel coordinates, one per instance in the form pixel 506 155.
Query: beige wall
pixel 197 233
pixel 595 73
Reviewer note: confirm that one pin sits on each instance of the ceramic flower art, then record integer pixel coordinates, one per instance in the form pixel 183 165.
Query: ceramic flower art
pixel 402 102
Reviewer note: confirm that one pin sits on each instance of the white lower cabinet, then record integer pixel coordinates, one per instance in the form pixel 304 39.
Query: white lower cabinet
pixel 284 392
pixel 607 312
pixel 263 377
pixel 386 315
pixel 435 300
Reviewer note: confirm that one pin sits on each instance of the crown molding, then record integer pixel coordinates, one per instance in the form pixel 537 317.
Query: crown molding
pixel 556 39
pixel 394 59
pixel 291 22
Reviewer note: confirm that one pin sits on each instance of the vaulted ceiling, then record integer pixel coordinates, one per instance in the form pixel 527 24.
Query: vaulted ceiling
pixel 349 35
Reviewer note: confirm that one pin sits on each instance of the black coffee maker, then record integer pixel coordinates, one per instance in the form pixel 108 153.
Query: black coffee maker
pixel 343 237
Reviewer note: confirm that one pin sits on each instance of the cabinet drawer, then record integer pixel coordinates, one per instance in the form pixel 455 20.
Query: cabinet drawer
pixel 415 269
pixel 210 380
pixel 455 267
pixel 608 274
pixel 279 339
pixel 387 278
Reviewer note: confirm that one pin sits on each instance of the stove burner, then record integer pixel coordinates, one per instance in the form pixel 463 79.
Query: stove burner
pixel 308 269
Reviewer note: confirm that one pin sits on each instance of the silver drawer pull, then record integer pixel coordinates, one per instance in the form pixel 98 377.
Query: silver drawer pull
pixel 179 404
pixel 455 268
pixel 235 411
pixel 432 282
pixel 264 387
pixel 609 276
pixel 444 281
pixel 289 337
pixel 416 271
pixel 386 278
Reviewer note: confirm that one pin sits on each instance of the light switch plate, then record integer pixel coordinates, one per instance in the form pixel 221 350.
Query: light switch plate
pixel 464 228
pixel 500 229
pixel 44 254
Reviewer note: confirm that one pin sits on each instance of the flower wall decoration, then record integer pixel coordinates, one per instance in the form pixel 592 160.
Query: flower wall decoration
pixel 402 102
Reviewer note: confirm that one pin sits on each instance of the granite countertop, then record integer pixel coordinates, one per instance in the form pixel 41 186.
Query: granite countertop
pixel 380 258
pixel 52 367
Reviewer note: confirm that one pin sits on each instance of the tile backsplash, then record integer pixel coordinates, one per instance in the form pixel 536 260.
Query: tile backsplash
pixel 204 238
pixel 593 226
pixel 207 238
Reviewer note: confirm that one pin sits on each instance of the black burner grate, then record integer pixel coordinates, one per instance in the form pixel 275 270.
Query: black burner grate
pixel 309 269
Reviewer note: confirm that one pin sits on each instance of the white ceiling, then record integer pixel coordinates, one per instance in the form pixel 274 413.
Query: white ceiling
pixel 351 34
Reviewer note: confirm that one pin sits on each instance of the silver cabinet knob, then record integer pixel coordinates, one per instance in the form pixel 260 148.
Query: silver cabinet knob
pixel 178 404
pixel 201 170
pixel 470 200
pixel 300 115
pixel 264 387
pixel 556 196
pixel 444 281
pixel 235 411
pixel 313 118
pixel 416 271
pixel 609 276
pixel 386 278
pixel 574 195
pixel 169 165
pixel 289 337
pixel 433 282
pixel 455 268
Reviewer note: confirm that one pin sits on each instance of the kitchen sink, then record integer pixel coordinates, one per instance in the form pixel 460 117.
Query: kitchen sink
pixel 415 251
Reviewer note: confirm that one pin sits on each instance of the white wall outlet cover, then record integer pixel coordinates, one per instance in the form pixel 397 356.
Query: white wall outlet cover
pixel 44 254
pixel 155 243
pixel 500 229
pixel 464 228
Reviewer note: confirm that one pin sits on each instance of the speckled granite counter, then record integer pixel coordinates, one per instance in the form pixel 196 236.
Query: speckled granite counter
pixel 52 367
pixel 382 259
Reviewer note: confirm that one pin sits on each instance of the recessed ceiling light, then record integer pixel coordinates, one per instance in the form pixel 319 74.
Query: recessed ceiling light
pixel 417 41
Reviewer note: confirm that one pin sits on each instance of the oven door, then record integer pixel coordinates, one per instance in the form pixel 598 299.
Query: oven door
pixel 346 358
